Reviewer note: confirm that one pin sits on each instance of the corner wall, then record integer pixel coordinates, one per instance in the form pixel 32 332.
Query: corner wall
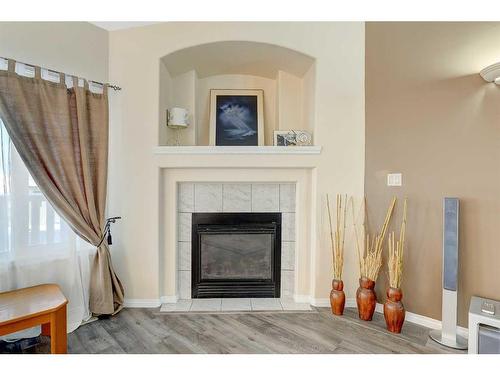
pixel 430 116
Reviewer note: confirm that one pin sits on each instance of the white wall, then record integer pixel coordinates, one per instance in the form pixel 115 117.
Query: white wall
pixel 308 101
pixel 77 48
pixel 338 115
pixel 184 95
pixel 290 104
pixel 165 102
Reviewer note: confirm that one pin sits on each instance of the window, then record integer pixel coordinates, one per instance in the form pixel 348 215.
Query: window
pixel 27 220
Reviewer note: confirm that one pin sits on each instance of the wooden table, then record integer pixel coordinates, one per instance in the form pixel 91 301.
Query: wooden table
pixel 43 305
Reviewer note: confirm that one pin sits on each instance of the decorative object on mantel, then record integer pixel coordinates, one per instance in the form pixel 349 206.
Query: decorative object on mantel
pixel 370 261
pixel 394 311
pixel 292 138
pixel 236 117
pixel 337 237
pixel 177 119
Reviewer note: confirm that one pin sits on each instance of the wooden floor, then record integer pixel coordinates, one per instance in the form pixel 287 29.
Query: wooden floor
pixel 318 331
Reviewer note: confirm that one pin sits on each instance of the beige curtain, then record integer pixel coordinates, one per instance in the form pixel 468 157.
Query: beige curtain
pixel 62 136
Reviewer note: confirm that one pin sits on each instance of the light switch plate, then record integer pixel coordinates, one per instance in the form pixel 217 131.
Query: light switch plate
pixel 394 179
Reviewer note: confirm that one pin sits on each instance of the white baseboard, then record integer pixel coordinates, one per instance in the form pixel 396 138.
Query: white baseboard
pixel 431 323
pixel 169 299
pixel 425 321
pixel 319 302
pixel 410 317
pixel 350 302
pixel 302 298
pixel 149 303
pixel 141 303
pixel 325 302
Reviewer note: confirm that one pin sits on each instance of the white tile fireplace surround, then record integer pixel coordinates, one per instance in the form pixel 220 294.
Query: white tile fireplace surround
pixel 229 189
pixel 236 197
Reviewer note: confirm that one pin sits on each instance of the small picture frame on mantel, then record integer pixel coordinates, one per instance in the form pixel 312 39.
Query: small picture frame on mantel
pixel 236 117
pixel 292 138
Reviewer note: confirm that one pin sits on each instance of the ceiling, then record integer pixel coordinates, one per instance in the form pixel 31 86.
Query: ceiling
pixel 119 25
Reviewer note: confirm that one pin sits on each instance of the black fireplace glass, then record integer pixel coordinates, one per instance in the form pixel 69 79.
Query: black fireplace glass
pixel 236 256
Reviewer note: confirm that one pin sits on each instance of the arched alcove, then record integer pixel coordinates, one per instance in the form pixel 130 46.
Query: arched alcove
pixel 286 76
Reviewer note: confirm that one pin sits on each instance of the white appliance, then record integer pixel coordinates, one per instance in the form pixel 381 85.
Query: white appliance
pixel 484 326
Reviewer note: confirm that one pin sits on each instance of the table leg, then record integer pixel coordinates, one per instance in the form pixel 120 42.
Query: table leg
pixel 58 339
pixel 46 329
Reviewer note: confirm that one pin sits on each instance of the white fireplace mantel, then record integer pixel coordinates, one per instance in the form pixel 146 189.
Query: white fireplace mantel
pixel 241 150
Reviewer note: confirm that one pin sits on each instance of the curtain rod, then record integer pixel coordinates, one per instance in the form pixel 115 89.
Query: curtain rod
pixel 114 87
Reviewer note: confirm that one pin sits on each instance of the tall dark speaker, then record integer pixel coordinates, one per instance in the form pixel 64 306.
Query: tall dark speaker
pixel 448 334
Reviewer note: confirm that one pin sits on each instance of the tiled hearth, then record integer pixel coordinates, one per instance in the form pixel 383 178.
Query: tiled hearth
pixel 234 304
pixel 235 197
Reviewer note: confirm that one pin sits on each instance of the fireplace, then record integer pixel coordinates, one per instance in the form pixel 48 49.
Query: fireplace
pixel 236 255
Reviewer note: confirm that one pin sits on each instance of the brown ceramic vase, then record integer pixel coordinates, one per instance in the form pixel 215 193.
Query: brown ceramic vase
pixel 337 297
pixel 366 298
pixel 394 311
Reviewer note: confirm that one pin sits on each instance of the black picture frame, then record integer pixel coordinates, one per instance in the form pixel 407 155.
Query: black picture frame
pixel 236 117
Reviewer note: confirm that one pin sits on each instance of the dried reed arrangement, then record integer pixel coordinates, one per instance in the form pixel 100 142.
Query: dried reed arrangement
pixel 370 249
pixel 337 235
pixel 396 252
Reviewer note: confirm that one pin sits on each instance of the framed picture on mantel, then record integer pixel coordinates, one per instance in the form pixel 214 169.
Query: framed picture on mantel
pixel 236 117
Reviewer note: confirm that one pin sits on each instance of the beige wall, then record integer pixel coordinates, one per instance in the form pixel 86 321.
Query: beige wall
pixel 430 116
pixel 77 48
pixel 337 112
